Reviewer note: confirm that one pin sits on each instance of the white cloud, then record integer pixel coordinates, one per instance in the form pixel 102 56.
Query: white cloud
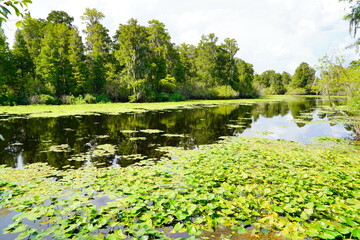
pixel 272 34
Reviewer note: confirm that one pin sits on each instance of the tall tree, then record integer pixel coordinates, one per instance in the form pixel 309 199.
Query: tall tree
pixel 246 77
pixel 303 77
pixel 77 59
pixel 25 67
pixel 206 60
pixel 187 54
pixel 60 17
pixel 286 78
pixel 229 71
pixel 353 17
pixel 53 65
pixel 7 73
pixel 98 45
pixel 132 52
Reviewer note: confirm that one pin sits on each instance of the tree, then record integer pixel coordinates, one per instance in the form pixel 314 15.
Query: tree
pixel 77 60
pixel 229 72
pixel 98 45
pixel 286 78
pixel 25 67
pixel 353 17
pixel 13 5
pixel 7 72
pixel 303 77
pixel 245 72
pixel 187 54
pixel 60 17
pixel 206 60
pixel 132 52
pixel 159 49
pixel 53 65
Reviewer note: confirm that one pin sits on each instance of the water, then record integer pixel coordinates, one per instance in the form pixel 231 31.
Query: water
pixel 57 140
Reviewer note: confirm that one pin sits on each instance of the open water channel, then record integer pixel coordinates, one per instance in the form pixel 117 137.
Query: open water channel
pixel 124 139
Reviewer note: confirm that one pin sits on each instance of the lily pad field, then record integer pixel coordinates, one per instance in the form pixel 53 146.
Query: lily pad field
pixel 259 169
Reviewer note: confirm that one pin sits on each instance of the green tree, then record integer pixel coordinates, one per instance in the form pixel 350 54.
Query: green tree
pixel 98 46
pixel 286 78
pixel 77 59
pixel 132 52
pixel 353 17
pixel 60 17
pixel 7 72
pixel 229 72
pixel 187 54
pixel 246 77
pixel 25 67
pixel 53 65
pixel 303 77
pixel 277 86
pixel 206 61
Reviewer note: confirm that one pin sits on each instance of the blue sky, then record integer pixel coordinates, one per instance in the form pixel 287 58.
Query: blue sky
pixel 272 34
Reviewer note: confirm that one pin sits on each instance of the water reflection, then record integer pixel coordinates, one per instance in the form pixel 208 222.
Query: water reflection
pixel 58 141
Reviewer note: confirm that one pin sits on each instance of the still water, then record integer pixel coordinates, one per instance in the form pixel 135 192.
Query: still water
pixel 124 139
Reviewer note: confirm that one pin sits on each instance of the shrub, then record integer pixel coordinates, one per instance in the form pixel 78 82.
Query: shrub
pixel 88 98
pixel 176 97
pixel 102 98
pixel 44 99
pixel 296 91
pixel 7 100
pixel 224 92
pixel 67 99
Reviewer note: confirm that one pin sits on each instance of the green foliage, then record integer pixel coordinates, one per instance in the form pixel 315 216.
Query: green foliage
pixel 304 77
pixel 271 82
pixel 43 99
pixel 16 6
pixel 98 44
pixel 270 186
pixel 142 64
pixel 102 98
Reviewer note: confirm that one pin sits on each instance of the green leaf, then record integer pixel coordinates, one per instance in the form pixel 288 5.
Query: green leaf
pixel 356 233
pixel 178 227
pixel 240 229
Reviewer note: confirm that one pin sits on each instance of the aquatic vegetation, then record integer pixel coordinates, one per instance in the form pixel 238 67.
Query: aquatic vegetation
pixel 60 148
pixel 235 126
pixel 264 132
pixel 337 140
pixel 129 131
pixel 247 184
pixel 104 150
pixel 137 138
pixel 174 135
pixel 31 111
pixel 151 131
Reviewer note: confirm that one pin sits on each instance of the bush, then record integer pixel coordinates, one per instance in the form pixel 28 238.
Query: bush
pixel 88 98
pixel 7 100
pixel 67 99
pixel 176 97
pixel 102 98
pixel 224 92
pixel 296 91
pixel 44 99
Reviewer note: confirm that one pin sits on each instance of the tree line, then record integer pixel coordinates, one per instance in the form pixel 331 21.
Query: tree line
pixel 49 63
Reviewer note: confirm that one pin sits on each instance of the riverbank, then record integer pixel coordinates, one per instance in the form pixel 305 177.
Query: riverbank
pixel 247 184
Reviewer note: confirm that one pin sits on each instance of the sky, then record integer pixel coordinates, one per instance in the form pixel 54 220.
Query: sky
pixel 271 34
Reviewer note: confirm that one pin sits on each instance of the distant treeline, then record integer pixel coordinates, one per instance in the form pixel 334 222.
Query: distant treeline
pixel 50 64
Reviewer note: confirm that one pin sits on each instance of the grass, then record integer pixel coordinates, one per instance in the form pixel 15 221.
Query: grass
pixel 234 187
